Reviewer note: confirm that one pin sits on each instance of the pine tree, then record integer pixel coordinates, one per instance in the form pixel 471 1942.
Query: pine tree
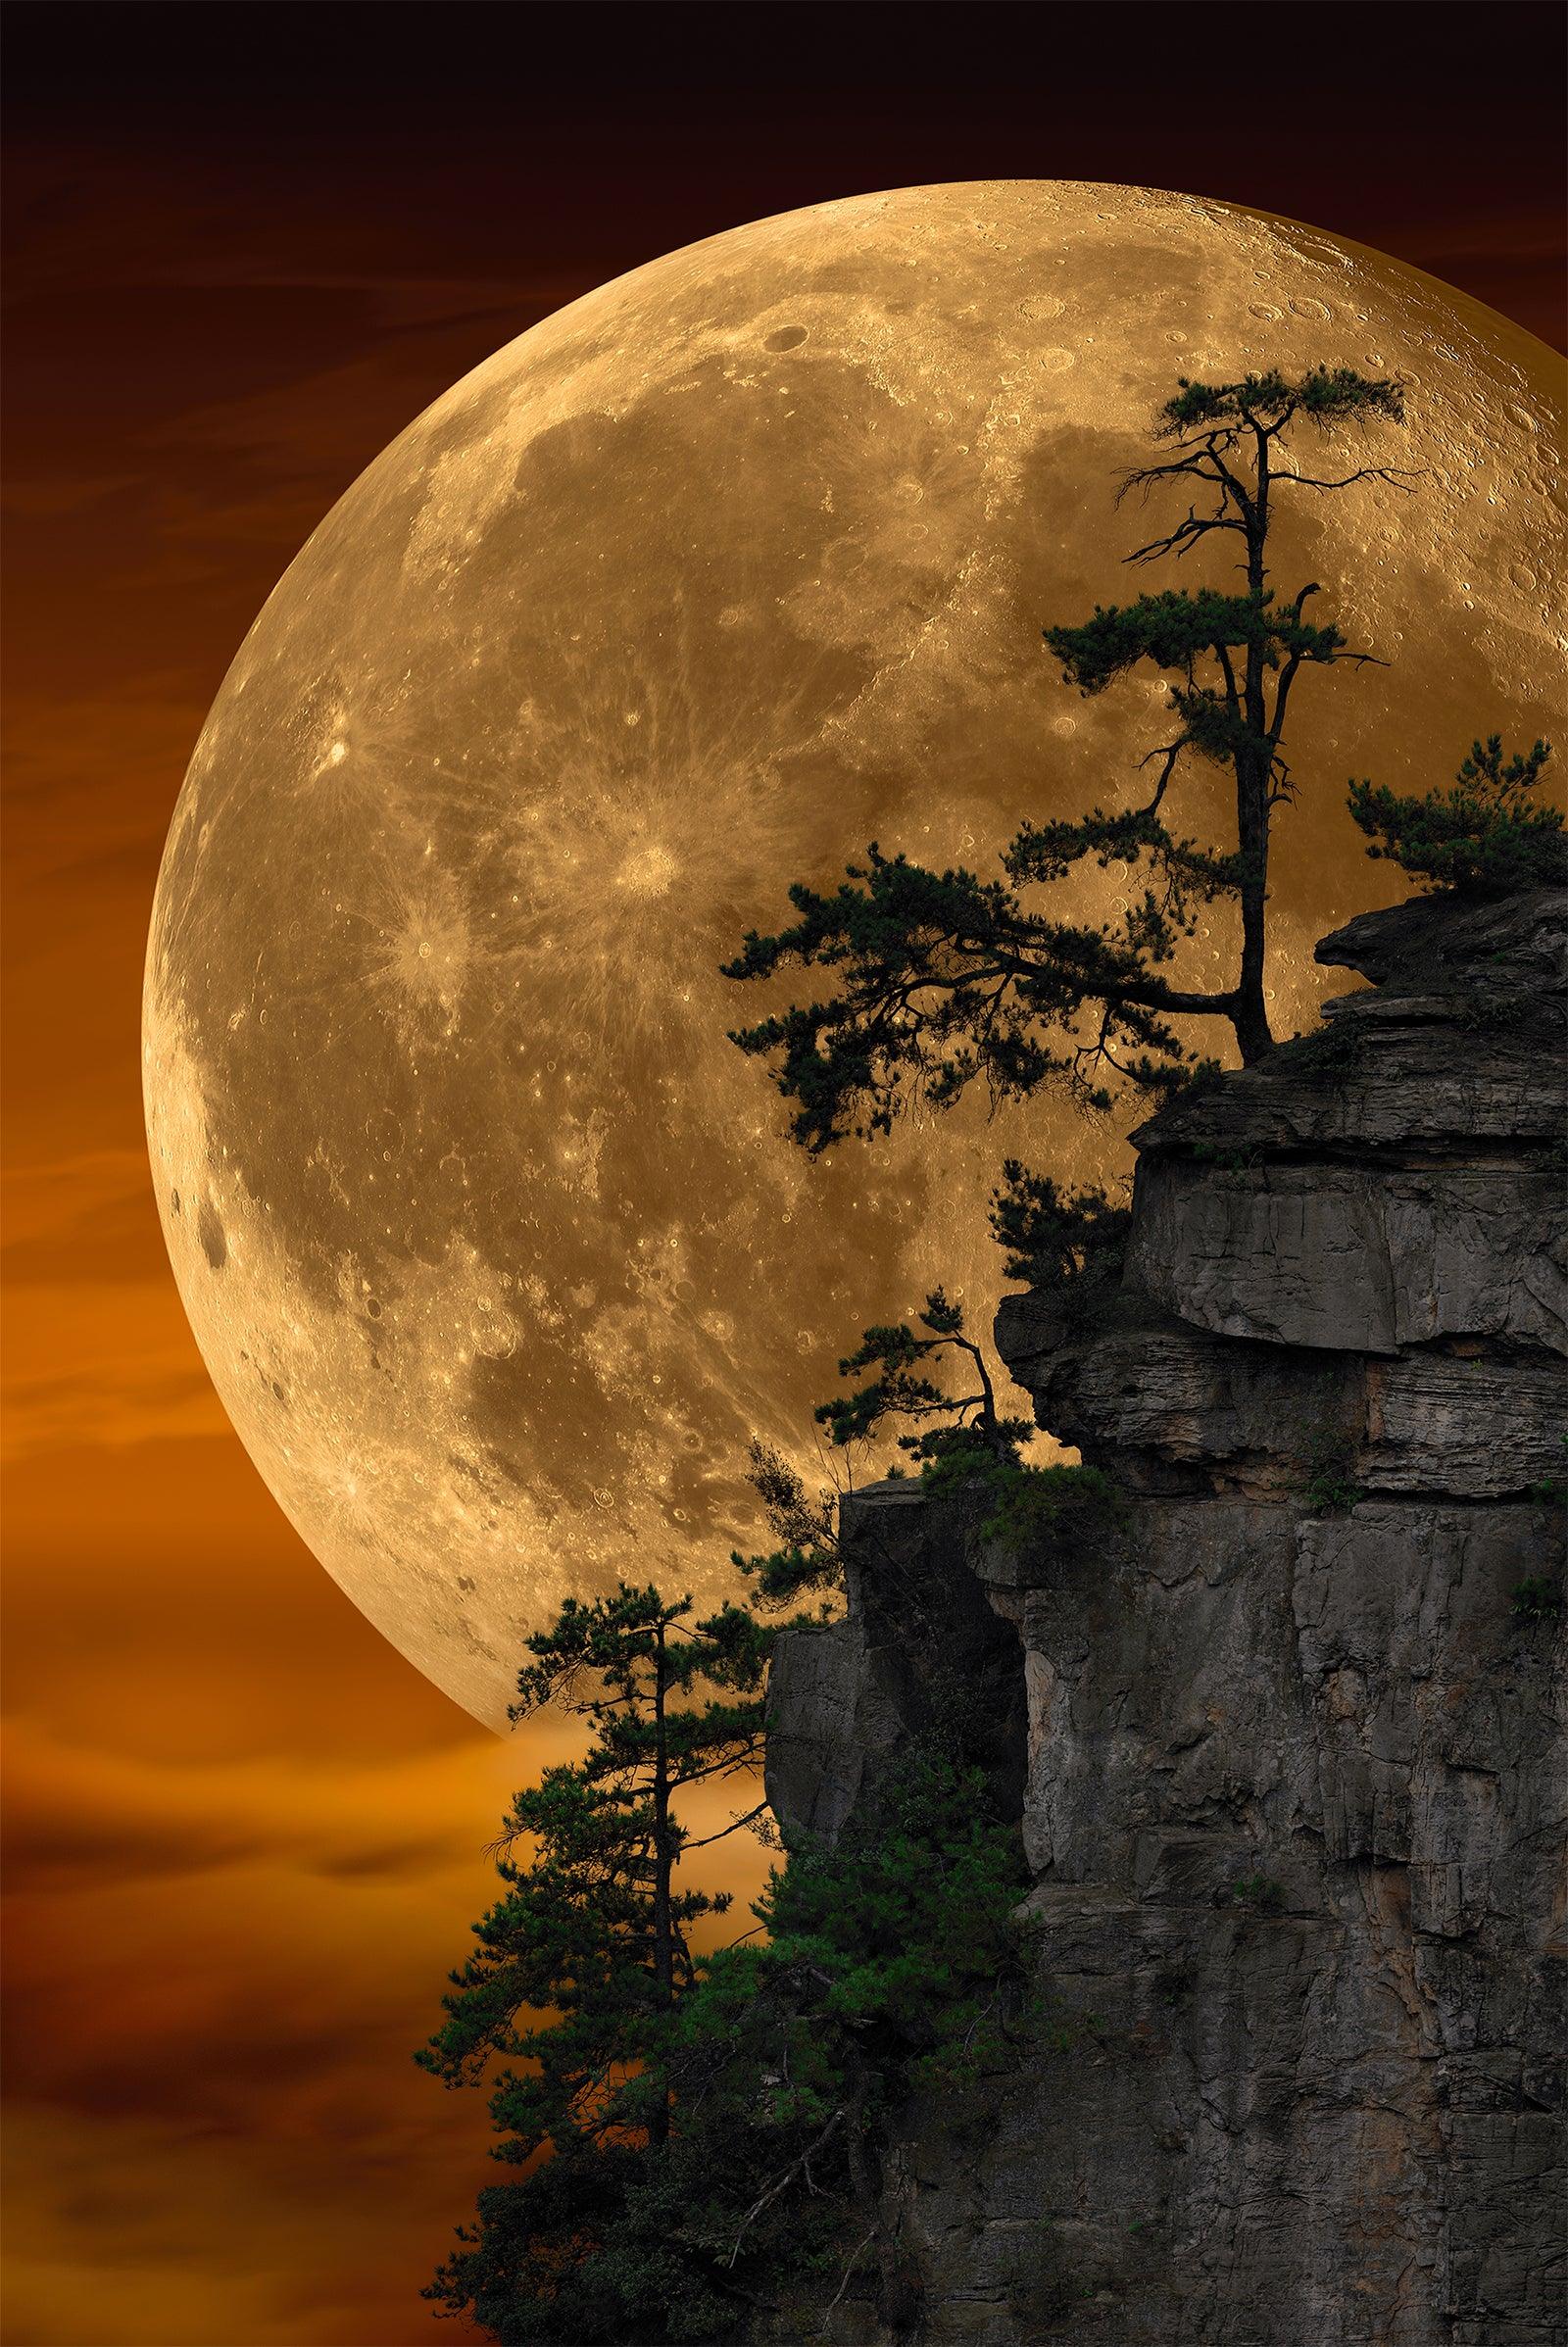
pixel 568 2005
pixel 898 1357
pixel 945 978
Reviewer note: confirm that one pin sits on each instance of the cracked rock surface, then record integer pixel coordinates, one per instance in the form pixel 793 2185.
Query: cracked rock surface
pixel 1288 1747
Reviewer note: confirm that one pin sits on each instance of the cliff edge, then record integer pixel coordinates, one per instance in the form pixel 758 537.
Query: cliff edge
pixel 1286 1742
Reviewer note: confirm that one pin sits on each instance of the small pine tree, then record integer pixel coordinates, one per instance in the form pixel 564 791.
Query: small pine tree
pixel 1488 836
pixel 1053 1238
pixel 900 1389
pixel 963 1444
pixel 807 1558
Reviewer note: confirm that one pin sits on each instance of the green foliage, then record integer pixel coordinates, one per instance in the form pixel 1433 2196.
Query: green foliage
pixel 566 2007
pixel 1538 1599
pixel 689 2135
pixel 893 1963
pixel 808 1559
pixel 941 980
pixel 895 1958
pixel 1067 1506
pixel 901 1389
pixel 1328 1492
pixel 1327 1489
pixel 1029 1506
pixel 1325 396
pixel 1236 1160
pixel 1173 631
pixel 971 1447
pixel 1485 837
pixel 1260 1892
pixel 1057 1240
pixel 944 979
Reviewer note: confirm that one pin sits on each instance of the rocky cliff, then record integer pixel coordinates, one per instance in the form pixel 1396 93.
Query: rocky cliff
pixel 1287 1745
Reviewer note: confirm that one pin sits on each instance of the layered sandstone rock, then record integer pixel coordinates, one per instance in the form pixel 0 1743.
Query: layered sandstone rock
pixel 1288 1747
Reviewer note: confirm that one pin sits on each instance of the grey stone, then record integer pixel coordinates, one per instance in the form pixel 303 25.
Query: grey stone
pixel 828 1723
pixel 1517 944
pixel 1165 1405
pixel 1290 1758
pixel 1354 1259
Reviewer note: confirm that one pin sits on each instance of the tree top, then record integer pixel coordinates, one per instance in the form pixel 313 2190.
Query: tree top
pixel 1267 402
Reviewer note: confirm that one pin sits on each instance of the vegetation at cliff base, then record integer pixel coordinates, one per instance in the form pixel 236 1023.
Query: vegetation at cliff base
pixel 894 1962
pixel 690 2135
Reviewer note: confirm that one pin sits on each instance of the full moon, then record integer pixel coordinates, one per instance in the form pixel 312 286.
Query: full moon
pixel 495 1247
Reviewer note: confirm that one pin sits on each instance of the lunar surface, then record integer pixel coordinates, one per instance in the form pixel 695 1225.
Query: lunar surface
pixel 492 1244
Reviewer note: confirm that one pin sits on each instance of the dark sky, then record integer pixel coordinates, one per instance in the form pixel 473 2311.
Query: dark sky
pixel 246 244
pixel 595 136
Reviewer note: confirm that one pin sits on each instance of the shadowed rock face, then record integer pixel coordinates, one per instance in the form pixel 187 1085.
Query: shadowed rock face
pixel 920 1645
pixel 1324 2109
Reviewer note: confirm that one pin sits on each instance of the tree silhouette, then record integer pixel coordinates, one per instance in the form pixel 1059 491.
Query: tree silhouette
pixel 1485 837
pixel 900 1388
pixel 589 1939
pixel 945 978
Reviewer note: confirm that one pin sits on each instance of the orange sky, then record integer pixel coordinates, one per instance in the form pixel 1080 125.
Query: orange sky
pixel 245 1837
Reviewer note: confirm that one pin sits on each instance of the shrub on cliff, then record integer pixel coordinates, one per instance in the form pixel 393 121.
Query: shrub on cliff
pixel 807 1558
pixel 1488 836
pixel 893 1963
pixel 1067 1243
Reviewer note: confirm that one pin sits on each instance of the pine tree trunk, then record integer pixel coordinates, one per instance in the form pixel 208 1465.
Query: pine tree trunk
pixel 664 1939
pixel 1253 768
pixel 1250 1015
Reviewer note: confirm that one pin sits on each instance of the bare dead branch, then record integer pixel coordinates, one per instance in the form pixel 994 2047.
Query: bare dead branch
pixel 1170 752
pixel 687 1847
pixel 779 2182
pixel 1396 476
pixel 844 2282
pixel 1185 536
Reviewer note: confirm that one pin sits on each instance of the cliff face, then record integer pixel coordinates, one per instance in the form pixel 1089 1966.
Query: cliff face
pixel 1287 1748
